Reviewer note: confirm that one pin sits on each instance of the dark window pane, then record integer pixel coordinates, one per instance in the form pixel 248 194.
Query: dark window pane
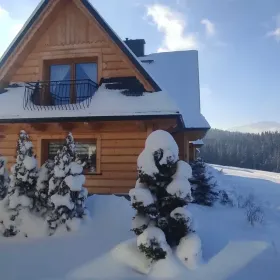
pixel 53 148
pixel 85 150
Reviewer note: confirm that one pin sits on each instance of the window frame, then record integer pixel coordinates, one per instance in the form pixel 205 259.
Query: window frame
pixel 42 149
pixel 72 63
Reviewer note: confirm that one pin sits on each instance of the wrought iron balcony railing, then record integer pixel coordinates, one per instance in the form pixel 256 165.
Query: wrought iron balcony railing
pixel 58 95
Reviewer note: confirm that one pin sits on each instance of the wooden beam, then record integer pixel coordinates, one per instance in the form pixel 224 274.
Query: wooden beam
pixel 95 125
pixel 150 128
pixel 66 126
pixel 141 125
pixel 39 126
pixel 186 148
pixel 39 151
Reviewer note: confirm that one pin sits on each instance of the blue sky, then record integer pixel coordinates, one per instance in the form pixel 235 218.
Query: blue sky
pixel 238 43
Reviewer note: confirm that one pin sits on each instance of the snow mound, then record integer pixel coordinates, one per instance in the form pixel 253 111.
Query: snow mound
pixel 180 188
pixel 140 221
pixel 141 195
pixel 146 163
pixel 62 200
pixel 75 183
pixel 32 226
pixel 76 168
pixel 189 251
pixel 169 268
pixel 127 253
pixel 139 185
pixel 181 212
pixel 15 199
pixel 153 233
pixel 29 162
pixel 60 173
pixel 161 139
pixel 184 170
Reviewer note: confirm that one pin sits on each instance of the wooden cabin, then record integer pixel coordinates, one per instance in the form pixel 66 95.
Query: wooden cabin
pixel 68 71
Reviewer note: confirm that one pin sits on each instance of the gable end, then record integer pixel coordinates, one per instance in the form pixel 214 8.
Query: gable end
pixel 92 12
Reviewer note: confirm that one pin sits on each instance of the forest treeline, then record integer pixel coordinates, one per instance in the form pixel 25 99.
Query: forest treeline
pixel 247 150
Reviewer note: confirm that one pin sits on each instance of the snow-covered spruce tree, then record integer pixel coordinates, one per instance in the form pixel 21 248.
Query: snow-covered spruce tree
pixel 160 197
pixel 42 188
pixel 22 186
pixel 4 178
pixel 67 195
pixel 202 184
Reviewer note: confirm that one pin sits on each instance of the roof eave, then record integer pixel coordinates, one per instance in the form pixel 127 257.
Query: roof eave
pixel 88 119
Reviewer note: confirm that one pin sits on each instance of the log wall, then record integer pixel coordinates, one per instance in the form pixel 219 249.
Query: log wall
pixel 118 147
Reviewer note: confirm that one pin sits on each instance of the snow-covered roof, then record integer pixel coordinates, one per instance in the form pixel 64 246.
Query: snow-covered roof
pixel 177 73
pixel 105 102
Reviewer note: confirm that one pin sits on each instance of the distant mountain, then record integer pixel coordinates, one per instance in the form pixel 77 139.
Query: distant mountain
pixel 258 127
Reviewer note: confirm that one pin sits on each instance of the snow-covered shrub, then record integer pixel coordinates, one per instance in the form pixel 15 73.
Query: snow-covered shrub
pixel 160 197
pixel 225 199
pixel 139 223
pixel 66 191
pixel 157 163
pixel 153 244
pixel 22 187
pixel 202 185
pixel 4 178
pixel 143 201
pixel 253 211
pixel 42 188
pixel 254 214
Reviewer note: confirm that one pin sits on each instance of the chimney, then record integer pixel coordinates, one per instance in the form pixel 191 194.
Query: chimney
pixel 137 46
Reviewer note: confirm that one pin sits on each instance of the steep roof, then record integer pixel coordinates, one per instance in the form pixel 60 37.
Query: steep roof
pixel 178 74
pixel 40 9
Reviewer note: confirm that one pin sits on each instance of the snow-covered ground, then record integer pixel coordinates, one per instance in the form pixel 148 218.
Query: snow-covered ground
pixel 232 248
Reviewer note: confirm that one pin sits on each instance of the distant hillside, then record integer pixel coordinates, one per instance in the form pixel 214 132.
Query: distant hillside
pixel 258 127
pixel 247 150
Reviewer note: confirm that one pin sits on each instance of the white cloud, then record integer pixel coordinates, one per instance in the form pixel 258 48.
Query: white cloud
pixel 9 28
pixel 209 27
pixel 275 33
pixel 174 27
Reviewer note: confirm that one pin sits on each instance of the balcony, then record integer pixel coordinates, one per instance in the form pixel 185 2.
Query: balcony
pixel 59 95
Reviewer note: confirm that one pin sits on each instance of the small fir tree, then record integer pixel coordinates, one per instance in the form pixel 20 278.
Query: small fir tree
pixel 24 175
pixel 23 180
pixel 42 189
pixel 66 191
pixel 202 186
pixel 4 178
pixel 160 197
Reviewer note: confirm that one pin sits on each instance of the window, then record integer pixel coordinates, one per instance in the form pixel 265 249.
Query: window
pixel 86 150
pixel 69 79
pixel 60 92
